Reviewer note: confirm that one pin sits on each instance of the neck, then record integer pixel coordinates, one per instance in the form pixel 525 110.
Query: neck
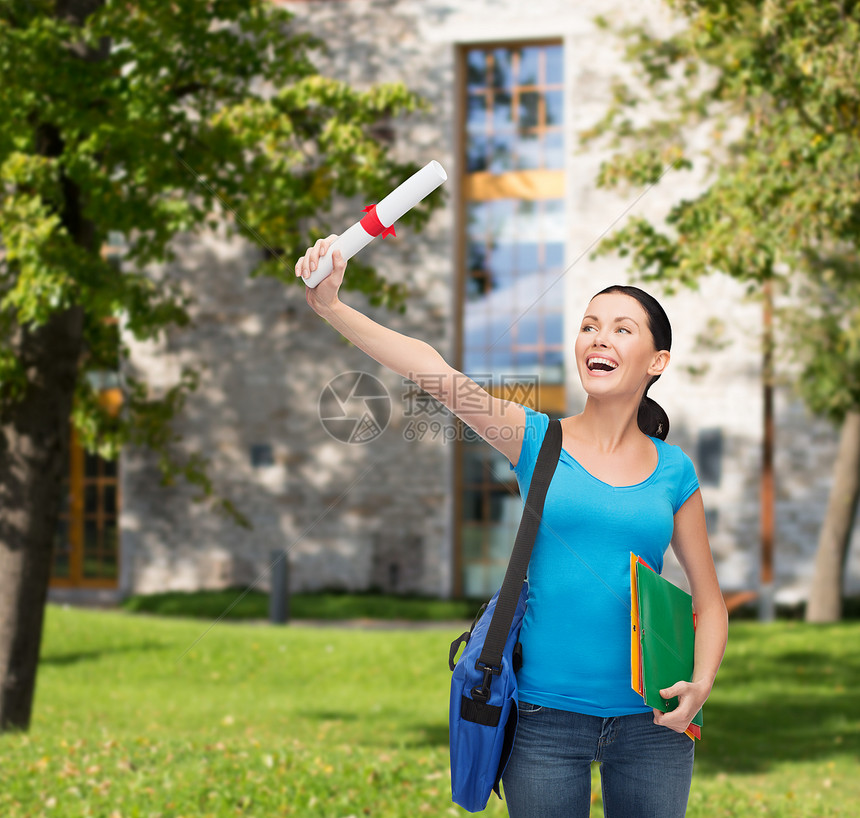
pixel 609 423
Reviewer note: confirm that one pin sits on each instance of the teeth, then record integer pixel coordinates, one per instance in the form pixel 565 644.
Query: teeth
pixel 606 361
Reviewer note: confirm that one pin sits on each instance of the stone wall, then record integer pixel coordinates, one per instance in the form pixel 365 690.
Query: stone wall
pixel 357 515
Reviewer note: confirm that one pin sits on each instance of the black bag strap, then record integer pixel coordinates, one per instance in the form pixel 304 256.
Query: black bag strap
pixel 506 605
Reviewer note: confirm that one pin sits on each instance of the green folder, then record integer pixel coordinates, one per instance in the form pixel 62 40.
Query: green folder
pixel 663 637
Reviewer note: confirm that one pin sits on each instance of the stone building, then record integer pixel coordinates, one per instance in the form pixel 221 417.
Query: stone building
pixel 346 465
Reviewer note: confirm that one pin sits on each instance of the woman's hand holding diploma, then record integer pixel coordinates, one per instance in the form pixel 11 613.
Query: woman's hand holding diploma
pixel 407 356
pixel 379 219
pixel 324 296
pixel 322 268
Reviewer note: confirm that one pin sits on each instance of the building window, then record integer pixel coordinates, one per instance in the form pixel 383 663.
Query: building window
pixel 709 457
pixel 514 108
pixel 86 543
pixel 511 276
pixel 262 455
pixel 513 289
pixel 712 520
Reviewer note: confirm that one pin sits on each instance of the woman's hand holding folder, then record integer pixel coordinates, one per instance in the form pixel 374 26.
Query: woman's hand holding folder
pixel 691 697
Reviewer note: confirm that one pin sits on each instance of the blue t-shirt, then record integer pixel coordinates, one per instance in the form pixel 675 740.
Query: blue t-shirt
pixel 576 631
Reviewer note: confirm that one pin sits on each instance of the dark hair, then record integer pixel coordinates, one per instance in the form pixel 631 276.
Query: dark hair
pixel 652 419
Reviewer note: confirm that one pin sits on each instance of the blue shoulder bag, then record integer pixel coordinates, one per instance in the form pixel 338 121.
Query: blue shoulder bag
pixel 482 716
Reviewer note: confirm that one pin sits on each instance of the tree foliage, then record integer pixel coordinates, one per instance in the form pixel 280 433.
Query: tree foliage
pixel 150 119
pixel 775 83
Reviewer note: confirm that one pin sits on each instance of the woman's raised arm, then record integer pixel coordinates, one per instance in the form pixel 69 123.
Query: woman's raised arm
pixel 500 422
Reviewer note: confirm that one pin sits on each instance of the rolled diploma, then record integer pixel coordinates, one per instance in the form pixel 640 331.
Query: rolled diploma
pixel 389 210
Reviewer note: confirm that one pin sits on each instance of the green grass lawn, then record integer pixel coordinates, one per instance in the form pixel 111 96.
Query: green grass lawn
pixel 240 603
pixel 141 717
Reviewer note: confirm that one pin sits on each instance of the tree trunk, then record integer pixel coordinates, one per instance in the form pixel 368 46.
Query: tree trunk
pixel 825 596
pixel 34 443
pixel 34 456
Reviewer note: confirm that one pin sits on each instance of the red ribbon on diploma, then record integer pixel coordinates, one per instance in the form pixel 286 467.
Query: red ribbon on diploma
pixel 372 226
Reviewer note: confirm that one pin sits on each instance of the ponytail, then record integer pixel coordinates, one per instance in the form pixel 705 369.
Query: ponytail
pixel 652 419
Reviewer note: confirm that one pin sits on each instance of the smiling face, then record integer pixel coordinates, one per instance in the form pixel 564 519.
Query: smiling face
pixel 615 352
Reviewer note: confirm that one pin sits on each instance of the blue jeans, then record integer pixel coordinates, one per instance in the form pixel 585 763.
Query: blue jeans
pixel 645 769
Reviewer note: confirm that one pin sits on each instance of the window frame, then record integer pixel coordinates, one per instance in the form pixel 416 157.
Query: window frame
pixel 535 184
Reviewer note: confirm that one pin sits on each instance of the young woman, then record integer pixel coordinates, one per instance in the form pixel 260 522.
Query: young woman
pixel 618 487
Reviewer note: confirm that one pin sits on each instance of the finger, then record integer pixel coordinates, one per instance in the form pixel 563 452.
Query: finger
pixel 306 264
pixel 338 268
pixel 670 722
pixel 326 243
pixel 675 690
pixel 313 254
pixel 677 726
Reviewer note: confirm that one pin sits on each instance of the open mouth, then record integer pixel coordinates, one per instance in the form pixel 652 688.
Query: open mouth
pixel 597 364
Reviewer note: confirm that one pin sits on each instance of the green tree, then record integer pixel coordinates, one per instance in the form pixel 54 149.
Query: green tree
pixel 144 118
pixel 777 82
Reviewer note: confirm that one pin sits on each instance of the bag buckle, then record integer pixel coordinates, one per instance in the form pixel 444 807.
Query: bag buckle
pixel 482 693
pixel 455 646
